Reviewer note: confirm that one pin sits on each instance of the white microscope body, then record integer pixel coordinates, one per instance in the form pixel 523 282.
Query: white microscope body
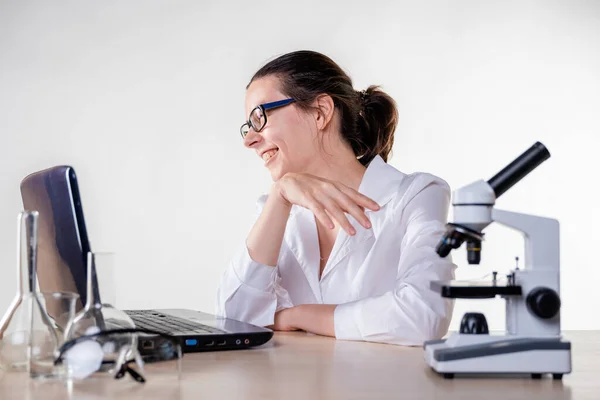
pixel 532 343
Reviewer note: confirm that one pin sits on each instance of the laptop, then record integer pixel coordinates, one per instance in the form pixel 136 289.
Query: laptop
pixel 63 246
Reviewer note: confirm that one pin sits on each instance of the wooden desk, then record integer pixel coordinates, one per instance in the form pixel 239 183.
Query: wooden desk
pixel 303 366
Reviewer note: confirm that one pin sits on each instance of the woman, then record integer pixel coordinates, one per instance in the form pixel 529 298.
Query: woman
pixel 344 244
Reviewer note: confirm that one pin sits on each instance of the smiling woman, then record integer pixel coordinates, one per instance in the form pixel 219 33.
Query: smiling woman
pixel 344 244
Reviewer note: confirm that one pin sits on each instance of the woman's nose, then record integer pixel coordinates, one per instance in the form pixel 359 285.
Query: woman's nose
pixel 252 138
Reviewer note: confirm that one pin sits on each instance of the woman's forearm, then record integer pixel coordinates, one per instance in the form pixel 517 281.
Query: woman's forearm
pixel 266 236
pixel 314 318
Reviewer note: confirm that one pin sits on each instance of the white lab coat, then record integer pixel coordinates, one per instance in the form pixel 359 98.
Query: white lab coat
pixel 379 277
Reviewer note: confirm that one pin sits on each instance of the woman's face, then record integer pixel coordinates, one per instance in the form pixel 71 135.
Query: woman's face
pixel 287 142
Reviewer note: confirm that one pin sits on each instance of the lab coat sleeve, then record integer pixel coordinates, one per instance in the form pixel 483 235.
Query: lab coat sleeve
pixel 250 291
pixel 410 313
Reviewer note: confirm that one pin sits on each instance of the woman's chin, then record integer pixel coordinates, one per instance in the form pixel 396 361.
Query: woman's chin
pixel 278 168
pixel 276 172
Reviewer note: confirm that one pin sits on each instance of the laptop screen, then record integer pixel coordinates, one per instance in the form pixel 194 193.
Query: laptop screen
pixel 62 237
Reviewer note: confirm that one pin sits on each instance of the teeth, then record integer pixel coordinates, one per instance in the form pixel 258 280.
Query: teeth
pixel 267 156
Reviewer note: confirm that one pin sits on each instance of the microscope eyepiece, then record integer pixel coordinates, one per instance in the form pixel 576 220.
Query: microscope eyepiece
pixel 519 168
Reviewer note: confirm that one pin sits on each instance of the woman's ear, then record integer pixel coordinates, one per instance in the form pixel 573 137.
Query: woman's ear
pixel 325 108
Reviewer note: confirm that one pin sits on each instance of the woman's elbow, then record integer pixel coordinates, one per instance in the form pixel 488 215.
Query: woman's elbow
pixel 436 325
pixel 430 322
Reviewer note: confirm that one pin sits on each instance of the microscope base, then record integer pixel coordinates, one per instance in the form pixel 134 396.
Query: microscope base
pixel 498 355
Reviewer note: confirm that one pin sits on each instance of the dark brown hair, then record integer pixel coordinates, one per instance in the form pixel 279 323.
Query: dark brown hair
pixel 368 118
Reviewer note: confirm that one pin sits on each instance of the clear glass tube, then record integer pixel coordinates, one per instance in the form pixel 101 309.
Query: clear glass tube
pixel 15 325
pixel 98 314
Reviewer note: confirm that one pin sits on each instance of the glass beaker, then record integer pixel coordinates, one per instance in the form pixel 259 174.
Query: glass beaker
pixel 52 313
pixel 15 325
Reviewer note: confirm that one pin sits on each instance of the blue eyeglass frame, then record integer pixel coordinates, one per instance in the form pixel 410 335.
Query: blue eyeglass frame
pixel 263 107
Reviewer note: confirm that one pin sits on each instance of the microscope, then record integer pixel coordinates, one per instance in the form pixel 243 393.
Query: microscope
pixel 532 342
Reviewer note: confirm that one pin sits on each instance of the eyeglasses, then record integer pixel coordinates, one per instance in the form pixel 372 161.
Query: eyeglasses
pixel 258 117
pixel 114 351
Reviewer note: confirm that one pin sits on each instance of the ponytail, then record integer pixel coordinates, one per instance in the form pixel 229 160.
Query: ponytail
pixel 377 121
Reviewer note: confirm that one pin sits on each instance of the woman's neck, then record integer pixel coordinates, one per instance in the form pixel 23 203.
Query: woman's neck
pixel 341 166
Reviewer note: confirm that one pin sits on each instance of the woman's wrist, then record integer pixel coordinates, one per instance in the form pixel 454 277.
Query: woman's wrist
pixel 266 236
pixel 294 317
pixel 277 195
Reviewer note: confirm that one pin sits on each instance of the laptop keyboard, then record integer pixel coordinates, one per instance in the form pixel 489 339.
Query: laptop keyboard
pixel 168 324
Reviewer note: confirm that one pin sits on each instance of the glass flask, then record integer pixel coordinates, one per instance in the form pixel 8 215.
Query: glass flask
pixel 99 313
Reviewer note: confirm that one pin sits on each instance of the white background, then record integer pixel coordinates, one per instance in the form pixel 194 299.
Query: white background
pixel 145 100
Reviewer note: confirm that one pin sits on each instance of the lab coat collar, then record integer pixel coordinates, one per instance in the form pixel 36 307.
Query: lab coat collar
pixel 380 182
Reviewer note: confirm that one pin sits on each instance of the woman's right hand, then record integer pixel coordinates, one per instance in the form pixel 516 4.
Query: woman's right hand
pixel 326 199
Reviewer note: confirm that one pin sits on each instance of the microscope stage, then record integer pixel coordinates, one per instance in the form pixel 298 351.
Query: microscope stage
pixel 475 289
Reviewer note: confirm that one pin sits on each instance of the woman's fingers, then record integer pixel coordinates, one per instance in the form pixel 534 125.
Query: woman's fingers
pixel 330 200
pixel 349 198
pixel 348 205
pixel 359 198
pixel 336 212
pixel 320 213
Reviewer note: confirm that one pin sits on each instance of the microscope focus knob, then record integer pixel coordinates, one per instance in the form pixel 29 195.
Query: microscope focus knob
pixel 543 302
pixel 474 324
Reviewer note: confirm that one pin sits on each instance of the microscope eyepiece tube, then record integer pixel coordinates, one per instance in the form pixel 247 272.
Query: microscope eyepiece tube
pixel 519 168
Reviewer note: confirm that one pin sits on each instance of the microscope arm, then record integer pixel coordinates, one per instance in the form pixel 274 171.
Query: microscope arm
pixel 541 236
